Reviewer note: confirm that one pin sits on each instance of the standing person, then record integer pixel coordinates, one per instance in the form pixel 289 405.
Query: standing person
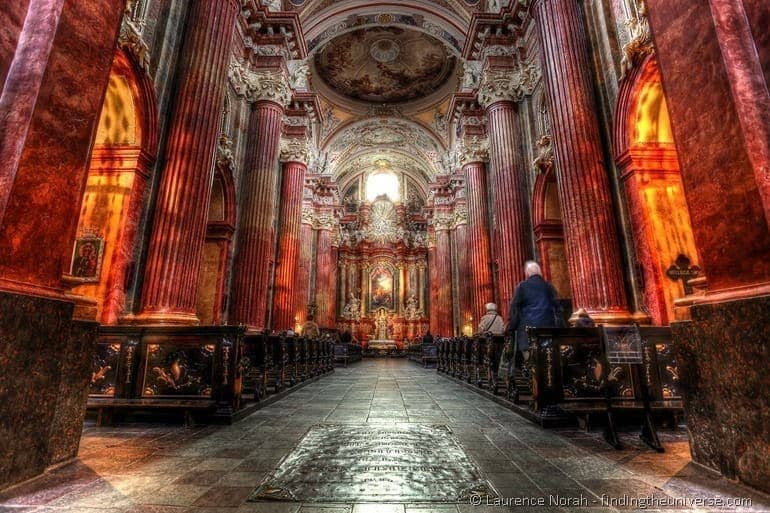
pixel 427 339
pixel 491 322
pixel 534 304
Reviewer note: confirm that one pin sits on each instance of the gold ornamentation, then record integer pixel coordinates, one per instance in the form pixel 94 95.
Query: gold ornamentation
pixel 544 161
pixel 512 85
pixel 640 45
pixel 295 149
pixel 475 149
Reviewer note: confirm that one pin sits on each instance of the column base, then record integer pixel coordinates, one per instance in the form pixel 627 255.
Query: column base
pixel 162 318
pixel 723 354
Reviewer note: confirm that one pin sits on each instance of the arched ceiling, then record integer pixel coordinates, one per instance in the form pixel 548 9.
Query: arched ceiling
pixel 407 145
pixel 385 72
pixel 386 64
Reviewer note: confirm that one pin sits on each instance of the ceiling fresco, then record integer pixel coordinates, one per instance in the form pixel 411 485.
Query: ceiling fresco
pixel 385 64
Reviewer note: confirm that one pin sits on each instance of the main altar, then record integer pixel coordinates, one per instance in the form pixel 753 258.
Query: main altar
pixel 383 279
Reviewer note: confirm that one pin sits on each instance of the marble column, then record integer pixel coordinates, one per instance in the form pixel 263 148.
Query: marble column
pixel 479 253
pixel 256 233
pixel 748 87
pixel 175 249
pixel 511 231
pixel 462 250
pixel 46 133
pixel 326 278
pixel 593 250
pixel 305 262
pixel 292 187
pixel 441 279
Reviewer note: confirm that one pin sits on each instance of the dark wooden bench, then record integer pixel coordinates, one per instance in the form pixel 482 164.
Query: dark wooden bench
pixel 603 371
pixel 346 353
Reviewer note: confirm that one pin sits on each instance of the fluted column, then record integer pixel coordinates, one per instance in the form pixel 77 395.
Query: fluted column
pixel 305 262
pixel 176 244
pixel 256 233
pixel 326 277
pixel 594 258
pixel 441 280
pixel 292 187
pixel 479 253
pixel 461 244
pixel 510 234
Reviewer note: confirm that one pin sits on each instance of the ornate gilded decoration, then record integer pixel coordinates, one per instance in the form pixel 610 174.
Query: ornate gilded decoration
pixel 260 85
pixel 497 85
pixel 225 157
pixel 130 40
pixel 295 149
pixel 474 149
pixel 640 45
pixel 352 310
pixel 544 161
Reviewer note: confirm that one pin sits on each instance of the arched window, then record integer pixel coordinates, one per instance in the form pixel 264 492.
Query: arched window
pixel 383 182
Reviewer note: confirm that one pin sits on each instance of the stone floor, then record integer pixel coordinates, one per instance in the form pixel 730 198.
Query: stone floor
pixel 152 468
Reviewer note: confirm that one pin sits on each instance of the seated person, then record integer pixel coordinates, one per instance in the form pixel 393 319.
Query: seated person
pixel 310 329
pixel 491 322
pixel 346 337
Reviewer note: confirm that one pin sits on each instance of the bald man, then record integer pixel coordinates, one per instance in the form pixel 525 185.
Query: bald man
pixel 534 304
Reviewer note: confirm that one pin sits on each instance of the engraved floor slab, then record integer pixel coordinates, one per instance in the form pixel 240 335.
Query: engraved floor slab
pixel 398 462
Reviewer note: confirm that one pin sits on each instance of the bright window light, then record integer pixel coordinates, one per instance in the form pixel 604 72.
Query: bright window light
pixel 382 182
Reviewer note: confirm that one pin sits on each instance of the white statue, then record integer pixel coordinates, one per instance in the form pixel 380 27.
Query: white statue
pixel 412 311
pixel 352 310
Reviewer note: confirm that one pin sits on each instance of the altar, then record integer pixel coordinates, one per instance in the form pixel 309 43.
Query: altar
pixel 381 347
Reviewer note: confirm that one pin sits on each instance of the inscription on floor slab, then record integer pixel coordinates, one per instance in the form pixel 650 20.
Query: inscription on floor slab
pixel 375 463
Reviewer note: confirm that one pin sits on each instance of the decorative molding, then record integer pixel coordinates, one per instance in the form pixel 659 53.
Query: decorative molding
pixel 295 149
pixel 460 216
pixel 514 85
pixel 299 73
pixel 475 149
pixel 471 75
pixel 544 161
pixel 131 42
pixel 225 157
pixel 261 85
pixel 640 45
pixel 442 221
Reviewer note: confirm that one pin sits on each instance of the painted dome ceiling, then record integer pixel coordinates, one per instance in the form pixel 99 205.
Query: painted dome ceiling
pixel 385 64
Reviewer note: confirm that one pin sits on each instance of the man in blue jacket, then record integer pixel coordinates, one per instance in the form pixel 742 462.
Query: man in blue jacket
pixel 534 304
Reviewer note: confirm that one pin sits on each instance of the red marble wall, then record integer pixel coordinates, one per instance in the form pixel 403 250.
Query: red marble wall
pixel 722 194
pixel 52 168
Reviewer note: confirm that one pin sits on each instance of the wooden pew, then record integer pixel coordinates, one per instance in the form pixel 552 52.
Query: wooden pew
pixel 606 371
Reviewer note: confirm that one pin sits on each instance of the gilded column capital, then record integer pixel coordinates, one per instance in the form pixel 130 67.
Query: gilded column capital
pixel 259 85
pixel 460 216
pixel 508 85
pixel 473 149
pixel 442 221
pixel 295 149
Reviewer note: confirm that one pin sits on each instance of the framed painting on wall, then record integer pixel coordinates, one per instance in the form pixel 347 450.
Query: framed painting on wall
pixel 87 257
pixel 381 290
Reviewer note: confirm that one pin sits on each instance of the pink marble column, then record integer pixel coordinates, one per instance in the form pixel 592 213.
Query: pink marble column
pixel 440 264
pixel 510 235
pixel 479 253
pixel 22 85
pixel 462 250
pixel 593 250
pixel 256 235
pixel 302 277
pixel 293 183
pixel 748 86
pixel 326 278
pixel 173 260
